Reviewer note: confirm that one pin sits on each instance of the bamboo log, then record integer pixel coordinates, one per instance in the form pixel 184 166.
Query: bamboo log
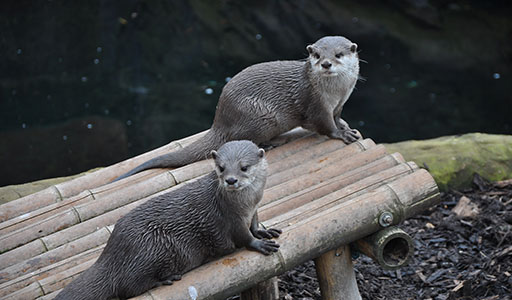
pixel 108 198
pixel 390 247
pixel 69 234
pixel 300 241
pixel 297 207
pixel 323 186
pixel 49 284
pixel 80 213
pixel 70 188
pixel 283 206
pixel 265 290
pixel 326 176
pixel 43 212
pixel 307 154
pixel 70 249
pixel 336 277
pixel 305 240
pixel 24 285
pixel 53 242
pixel 99 206
pixel 316 163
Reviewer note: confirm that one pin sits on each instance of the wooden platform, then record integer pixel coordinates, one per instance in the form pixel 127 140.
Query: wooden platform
pixel 318 190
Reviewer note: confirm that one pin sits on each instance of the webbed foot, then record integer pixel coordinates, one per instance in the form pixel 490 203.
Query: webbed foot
pixel 264 246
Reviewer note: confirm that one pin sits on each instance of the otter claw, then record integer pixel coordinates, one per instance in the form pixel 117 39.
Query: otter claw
pixel 267 233
pixel 264 246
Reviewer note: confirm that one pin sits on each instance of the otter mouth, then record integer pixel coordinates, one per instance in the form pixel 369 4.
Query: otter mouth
pixel 329 73
pixel 234 187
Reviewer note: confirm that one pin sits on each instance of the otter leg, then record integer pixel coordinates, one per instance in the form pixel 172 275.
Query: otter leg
pixel 243 237
pixel 263 233
pixel 167 281
pixel 350 134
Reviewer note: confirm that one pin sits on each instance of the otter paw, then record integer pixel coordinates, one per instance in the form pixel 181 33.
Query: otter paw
pixel 350 135
pixel 267 233
pixel 264 246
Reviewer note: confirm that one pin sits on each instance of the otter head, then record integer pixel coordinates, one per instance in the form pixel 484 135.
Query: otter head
pixel 333 56
pixel 239 164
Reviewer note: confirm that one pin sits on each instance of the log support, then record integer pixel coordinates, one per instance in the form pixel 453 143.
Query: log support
pixel 335 273
pixel 265 290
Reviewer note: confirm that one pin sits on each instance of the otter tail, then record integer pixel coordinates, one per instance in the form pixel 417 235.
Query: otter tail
pixel 196 151
pixel 90 285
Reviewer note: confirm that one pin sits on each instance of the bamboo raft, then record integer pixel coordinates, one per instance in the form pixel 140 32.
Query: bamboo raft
pixel 322 193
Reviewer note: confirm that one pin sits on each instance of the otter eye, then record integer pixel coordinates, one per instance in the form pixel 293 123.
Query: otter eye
pixel 221 169
pixel 316 55
pixel 244 168
pixel 339 55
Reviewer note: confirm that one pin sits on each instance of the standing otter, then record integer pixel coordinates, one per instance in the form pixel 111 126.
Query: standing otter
pixel 175 232
pixel 268 99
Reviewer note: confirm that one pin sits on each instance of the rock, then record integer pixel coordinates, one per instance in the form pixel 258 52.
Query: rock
pixel 452 160
pixel 465 208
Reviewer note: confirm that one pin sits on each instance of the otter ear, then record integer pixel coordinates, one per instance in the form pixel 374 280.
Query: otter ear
pixel 214 154
pixel 310 49
pixel 261 153
pixel 353 48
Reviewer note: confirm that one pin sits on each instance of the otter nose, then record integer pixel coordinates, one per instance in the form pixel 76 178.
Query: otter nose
pixel 231 180
pixel 326 65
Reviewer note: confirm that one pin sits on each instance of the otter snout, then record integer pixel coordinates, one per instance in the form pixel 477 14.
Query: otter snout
pixel 326 64
pixel 231 180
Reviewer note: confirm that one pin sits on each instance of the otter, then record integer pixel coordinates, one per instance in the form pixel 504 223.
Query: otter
pixel 158 241
pixel 268 99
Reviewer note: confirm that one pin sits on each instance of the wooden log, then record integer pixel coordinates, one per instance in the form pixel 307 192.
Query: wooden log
pixel 390 247
pixel 265 290
pixel 326 176
pixel 300 241
pixel 296 169
pixel 146 178
pixel 44 212
pixel 80 213
pixel 70 188
pixel 69 234
pixel 292 209
pixel 29 285
pixel 307 154
pixel 286 203
pixel 336 277
pixel 304 241
pixel 49 284
pixel 321 188
pixel 95 239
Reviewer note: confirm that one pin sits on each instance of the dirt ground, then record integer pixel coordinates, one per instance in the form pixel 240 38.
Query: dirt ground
pixel 455 257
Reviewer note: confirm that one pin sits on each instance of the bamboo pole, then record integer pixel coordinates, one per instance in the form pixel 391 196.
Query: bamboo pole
pixel 300 241
pixel 390 247
pixel 31 265
pixel 326 175
pixel 70 188
pixel 300 165
pixel 292 209
pixel 266 211
pixel 103 220
pixel 336 277
pixel 108 198
pixel 265 290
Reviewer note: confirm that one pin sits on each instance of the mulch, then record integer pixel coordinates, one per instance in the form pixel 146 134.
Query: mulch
pixel 456 257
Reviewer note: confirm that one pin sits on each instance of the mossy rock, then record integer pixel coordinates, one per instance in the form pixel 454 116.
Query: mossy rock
pixel 452 160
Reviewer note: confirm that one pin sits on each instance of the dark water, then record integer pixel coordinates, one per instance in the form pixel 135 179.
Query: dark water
pixel 90 83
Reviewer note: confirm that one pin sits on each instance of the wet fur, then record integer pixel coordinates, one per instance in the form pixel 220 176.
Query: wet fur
pixel 268 99
pixel 175 232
